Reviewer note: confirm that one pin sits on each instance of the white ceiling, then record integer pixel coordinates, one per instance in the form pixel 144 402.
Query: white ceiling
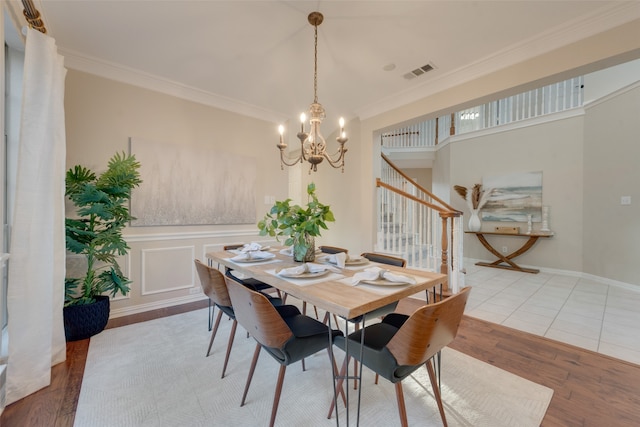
pixel 256 57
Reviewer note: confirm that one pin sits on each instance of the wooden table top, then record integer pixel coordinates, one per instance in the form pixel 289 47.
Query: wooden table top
pixel 333 294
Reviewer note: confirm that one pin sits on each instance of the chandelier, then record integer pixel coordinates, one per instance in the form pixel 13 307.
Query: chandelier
pixel 312 144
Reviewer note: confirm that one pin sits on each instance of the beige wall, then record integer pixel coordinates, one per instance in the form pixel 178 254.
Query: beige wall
pixel 101 116
pixel 611 170
pixel 555 149
pixel 420 175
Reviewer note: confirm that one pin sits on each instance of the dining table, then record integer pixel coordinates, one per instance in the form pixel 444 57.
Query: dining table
pixel 333 289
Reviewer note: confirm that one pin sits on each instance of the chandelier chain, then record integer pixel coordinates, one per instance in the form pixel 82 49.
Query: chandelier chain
pixel 315 66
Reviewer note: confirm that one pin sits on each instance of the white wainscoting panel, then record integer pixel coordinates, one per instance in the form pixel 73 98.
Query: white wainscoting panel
pixel 167 269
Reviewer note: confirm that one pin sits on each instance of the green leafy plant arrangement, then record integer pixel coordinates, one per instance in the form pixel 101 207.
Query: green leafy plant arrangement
pixel 102 209
pixel 297 222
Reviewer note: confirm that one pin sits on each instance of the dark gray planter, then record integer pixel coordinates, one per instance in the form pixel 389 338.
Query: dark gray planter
pixel 87 320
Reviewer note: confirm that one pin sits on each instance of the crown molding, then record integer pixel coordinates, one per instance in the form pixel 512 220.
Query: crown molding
pixel 152 82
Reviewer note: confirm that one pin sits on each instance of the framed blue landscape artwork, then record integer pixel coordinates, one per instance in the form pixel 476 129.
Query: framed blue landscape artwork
pixel 514 197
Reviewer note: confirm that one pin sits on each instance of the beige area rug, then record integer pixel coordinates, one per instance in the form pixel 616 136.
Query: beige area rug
pixel 156 374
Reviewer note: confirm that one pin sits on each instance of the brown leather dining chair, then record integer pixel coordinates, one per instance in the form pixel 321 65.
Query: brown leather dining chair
pixel 401 344
pixel 287 335
pixel 214 286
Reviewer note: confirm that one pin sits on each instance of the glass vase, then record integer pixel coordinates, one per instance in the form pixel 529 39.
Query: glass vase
pixel 305 251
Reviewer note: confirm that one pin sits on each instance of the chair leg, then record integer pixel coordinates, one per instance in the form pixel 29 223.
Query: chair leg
pixel 211 306
pixel 256 353
pixel 325 319
pixel 436 391
pixel 232 334
pixel 401 407
pixel 276 397
pixel 213 334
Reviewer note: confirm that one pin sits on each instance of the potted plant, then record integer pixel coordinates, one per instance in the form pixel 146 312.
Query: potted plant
pixel 299 224
pixel 102 212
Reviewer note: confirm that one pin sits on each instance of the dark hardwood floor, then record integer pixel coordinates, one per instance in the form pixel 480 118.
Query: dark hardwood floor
pixel 589 389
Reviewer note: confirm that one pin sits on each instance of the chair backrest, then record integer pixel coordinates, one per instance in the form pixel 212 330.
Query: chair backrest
pixel 258 316
pixel 232 247
pixel 332 249
pixel 385 259
pixel 213 284
pixel 428 330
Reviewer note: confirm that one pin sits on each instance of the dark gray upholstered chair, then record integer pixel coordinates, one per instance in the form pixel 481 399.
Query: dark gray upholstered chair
pixel 400 344
pixel 331 249
pixel 384 259
pixel 286 334
pixel 214 286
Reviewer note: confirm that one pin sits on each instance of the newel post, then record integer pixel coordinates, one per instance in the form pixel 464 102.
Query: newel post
pixel 446 216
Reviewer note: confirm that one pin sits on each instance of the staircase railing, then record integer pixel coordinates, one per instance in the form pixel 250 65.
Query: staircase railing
pixel 418 226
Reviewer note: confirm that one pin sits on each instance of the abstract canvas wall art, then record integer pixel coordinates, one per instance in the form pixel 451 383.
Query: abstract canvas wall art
pixel 192 186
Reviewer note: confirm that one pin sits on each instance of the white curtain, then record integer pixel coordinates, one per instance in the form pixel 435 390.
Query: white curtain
pixel 37 265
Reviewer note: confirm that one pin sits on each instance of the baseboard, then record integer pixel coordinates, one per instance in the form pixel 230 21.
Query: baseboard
pixel 571 273
pixel 120 312
pixel 3 387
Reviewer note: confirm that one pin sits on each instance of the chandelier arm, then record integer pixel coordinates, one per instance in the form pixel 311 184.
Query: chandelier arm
pixel 283 157
pixel 338 161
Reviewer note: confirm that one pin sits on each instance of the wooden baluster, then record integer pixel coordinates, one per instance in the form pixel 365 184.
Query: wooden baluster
pixel 452 129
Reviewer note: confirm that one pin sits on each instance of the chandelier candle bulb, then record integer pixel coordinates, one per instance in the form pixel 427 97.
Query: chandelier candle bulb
pixel 281 132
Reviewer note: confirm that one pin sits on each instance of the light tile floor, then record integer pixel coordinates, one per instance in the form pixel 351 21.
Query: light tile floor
pixel 577 311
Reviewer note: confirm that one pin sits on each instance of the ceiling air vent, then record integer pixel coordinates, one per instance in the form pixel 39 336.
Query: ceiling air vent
pixel 418 71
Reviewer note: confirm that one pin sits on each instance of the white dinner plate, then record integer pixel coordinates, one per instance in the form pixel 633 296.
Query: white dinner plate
pixel 262 259
pixel 356 261
pixel 305 275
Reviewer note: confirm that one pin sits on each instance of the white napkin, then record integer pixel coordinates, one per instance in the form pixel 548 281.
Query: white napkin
pixel 377 273
pixel 257 255
pixel 287 251
pixel 339 259
pixel 307 267
pixel 251 247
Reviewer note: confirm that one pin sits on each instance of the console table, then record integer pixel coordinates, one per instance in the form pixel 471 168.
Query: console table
pixel 506 261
